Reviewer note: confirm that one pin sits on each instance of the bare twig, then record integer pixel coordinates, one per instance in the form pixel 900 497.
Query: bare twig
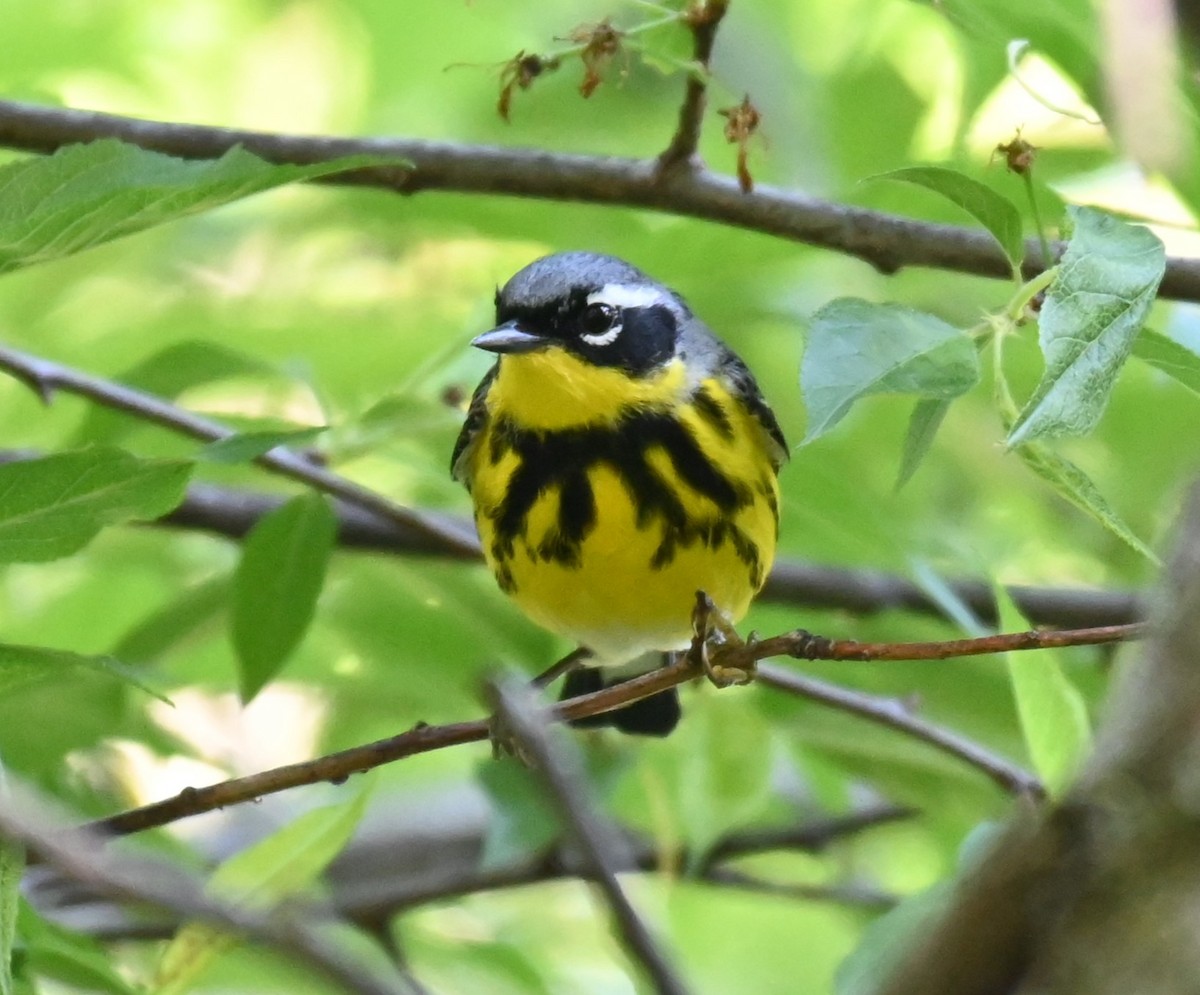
pixel 897 714
pixel 45 377
pixel 82 857
pixel 603 851
pixel 336 767
pixel 886 241
pixel 704 18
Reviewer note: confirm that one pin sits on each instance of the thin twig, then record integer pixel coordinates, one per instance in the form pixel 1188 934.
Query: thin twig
pixel 703 19
pixel 602 850
pixel 887 241
pixel 81 857
pixel 380 876
pixel 45 377
pixel 336 767
pixel 896 714
pixel 839 894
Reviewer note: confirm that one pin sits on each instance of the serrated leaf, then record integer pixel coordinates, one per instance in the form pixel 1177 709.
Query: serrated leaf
pixel 243 447
pixel 24 665
pixel 1107 280
pixel 926 419
pixel 1077 487
pixel 995 212
pixel 54 506
pixel 55 952
pixel 273 869
pixel 1167 355
pixel 167 374
pixel 856 348
pixel 275 589
pixel 85 195
pixel 1052 713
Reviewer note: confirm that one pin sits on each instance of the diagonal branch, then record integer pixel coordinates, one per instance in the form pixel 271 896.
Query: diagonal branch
pixel 45 377
pixel 337 767
pixel 886 241
pixel 603 852
pixel 82 857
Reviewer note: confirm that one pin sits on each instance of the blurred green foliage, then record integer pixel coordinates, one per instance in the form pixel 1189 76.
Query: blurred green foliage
pixel 352 308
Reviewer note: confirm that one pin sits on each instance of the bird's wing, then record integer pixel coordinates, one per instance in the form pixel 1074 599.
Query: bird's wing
pixel 746 389
pixel 476 413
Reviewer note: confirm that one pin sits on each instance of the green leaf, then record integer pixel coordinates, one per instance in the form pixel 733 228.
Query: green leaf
pixel 1077 487
pixel 275 589
pixel 24 665
pixel 291 859
pixel 1107 281
pixel 856 348
pixel 168 374
pixel 995 212
pixel 1169 356
pixel 890 938
pixel 923 425
pixel 725 779
pixel 54 506
pixel 85 195
pixel 12 868
pixel 243 447
pixel 55 952
pixel 522 821
pixel 273 869
pixel 174 622
pixel 1052 712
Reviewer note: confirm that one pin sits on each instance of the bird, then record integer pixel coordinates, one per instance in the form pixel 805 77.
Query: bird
pixel 620 459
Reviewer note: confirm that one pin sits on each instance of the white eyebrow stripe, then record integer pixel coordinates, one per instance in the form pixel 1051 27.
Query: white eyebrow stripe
pixel 604 338
pixel 630 295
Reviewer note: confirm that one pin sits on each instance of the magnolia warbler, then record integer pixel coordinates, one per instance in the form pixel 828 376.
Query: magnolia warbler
pixel 620 458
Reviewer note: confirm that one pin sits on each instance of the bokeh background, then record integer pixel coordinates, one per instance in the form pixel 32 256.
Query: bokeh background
pixel 353 308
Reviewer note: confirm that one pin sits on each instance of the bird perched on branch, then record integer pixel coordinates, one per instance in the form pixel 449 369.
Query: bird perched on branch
pixel 621 458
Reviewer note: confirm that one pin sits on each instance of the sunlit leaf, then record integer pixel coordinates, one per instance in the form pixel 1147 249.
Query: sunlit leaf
pixel 923 424
pixel 1053 715
pixel 994 211
pixel 24 665
pixel 54 506
pixel 856 348
pixel 262 875
pixel 85 195
pixel 246 446
pixel 1169 356
pixel 1107 281
pixel 1077 487
pixel 278 579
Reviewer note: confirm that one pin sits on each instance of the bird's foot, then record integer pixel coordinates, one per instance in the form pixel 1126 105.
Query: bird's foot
pixel 717 647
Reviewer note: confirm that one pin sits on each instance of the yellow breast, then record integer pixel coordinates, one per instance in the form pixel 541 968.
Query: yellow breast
pixel 605 502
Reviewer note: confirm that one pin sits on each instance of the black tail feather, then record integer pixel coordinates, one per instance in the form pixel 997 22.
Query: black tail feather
pixel 653 716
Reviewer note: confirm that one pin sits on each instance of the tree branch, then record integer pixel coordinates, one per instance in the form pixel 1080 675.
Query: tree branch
pixel 82 857
pixel 45 377
pixel 336 767
pixel 602 851
pixel 897 714
pixel 703 19
pixel 886 241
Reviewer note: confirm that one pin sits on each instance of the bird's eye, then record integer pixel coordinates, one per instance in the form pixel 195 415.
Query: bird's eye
pixel 598 319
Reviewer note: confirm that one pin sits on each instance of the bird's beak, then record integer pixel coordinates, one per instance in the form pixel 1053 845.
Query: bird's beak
pixel 509 338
